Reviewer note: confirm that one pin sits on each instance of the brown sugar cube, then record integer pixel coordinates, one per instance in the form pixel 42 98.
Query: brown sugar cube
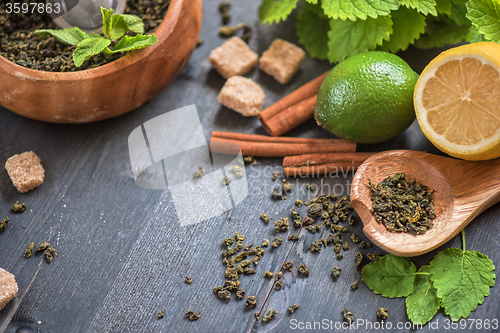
pixel 242 95
pixel 25 171
pixel 282 60
pixel 234 57
pixel 8 287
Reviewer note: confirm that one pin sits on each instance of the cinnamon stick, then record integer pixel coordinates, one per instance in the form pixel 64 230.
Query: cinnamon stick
pixel 261 145
pixel 291 110
pixel 321 164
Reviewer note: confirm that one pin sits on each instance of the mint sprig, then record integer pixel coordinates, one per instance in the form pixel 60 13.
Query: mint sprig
pixel 114 28
pixel 455 280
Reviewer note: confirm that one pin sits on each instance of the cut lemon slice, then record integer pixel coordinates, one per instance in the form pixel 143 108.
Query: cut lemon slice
pixel 457 101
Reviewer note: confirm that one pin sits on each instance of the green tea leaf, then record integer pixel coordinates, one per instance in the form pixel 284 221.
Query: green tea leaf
pixel 275 10
pixel 408 25
pixel 462 280
pixel 441 31
pixel 70 36
pixel 422 304
pixel 485 16
pixel 128 43
pixel 134 23
pixel 312 31
pixel 443 6
pixel 354 9
pixel 346 38
pixel 89 47
pixel 423 6
pixel 474 36
pixel 390 276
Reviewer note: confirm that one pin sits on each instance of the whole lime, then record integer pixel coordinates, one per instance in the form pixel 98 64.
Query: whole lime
pixel 367 98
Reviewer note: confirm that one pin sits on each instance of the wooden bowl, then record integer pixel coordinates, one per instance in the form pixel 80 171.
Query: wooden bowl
pixel 110 90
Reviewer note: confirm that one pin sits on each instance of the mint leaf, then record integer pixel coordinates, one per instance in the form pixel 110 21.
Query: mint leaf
pixel 390 276
pixel 423 303
pixel 474 36
pixel 354 9
pixel 423 6
pixel 408 25
pixel 462 280
pixel 347 38
pixel 441 31
pixel 443 6
pixel 485 16
pixel 314 2
pixel 458 12
pixel 275 10
pixel 89 47
pixel 312 31
pixel 134 23
pixel 70 36
pixel 128 43
pixel 106 21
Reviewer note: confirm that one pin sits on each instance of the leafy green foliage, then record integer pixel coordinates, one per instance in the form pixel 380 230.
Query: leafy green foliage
pixel 114 27
pixel 70 36
pixel 408 25
pixel 441 31
pixel 462 280
pixel 312 31
pixel 423 6
pixel 88 48
pixel 474 36
pixel 354 9
pixel 276 10
pixel 485 16
pixel 346 38
pixel 422 304
pixel 456 280
pixel 443 6
pixel 390 276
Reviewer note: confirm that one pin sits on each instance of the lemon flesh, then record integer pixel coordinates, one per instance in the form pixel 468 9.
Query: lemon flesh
pixel 457 101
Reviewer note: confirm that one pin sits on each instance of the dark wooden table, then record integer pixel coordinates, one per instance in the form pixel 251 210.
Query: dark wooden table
pixel 122 255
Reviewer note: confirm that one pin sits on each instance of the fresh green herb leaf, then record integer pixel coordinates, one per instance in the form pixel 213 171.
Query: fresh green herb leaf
pixel 354 9
pixel 128 43
pixel 462 280
pixel 346 38
pixel 423 6
pixel 275 10
pixel 88 48
pixel 485 16
pixel 134 23
pixel 118 27
pixel 441 31
pixel 458 12
pixel 443 6
pixel 390 276
pixel 408 25
pixel 312 31
pixel 314 2
pixel 422 304
pixel 474 36
pixel 70 36
pixel 106 21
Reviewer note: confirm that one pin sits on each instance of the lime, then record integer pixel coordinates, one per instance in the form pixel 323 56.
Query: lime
pixel 367 98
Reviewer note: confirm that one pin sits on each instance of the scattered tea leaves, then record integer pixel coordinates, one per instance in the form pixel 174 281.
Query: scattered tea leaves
pixel 161 314
pixel 359 260
pixel 256 315
pixel 355 238
pixel 345 246
pixel 49 253
pixel 18 208
pixel 3 224
pixel 277 242
pixel 374 256
pixel 288 265
pixel 268 274
pixel 292 308
pixel 250 302
pixel 42 246
pixel 274 176
pixel 188 280
pixel 278 285
pixel 298 202
pixel 192 315
pixel 382 313
pixel 228 241
pixel 264 217
pixel 287 186
pixel 355 285
pixel 199 173
pixel 348 316
pixel 303 270
pixel 240 293
pixel 269 315
pixel 336 271
pixel 281 225
pixel 29 249
pixel 293 238
pixel 316 245
pixel 265 243
pixel 226 180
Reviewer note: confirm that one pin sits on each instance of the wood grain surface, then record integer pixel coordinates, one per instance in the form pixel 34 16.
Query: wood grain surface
pixel 122 255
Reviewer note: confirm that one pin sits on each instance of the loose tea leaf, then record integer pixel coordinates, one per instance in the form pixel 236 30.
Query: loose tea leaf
pixel 298 202
pixel 268 274
pixel 278 276
pixel 49 253
pixel 316 245
pixel 402 206
pixel 256 315
pixel 276 242
pixel 382 313
pixel 315 209
pixel 288 265
pixel 287 187
pixel 313 228
pixel 293 238
pixel 224 295
pixel 345 246
pixel 18 208
pixel 199 173
pixel 278 284
pixel 240 294
pixel 390 276
pixel 355 285
pixel 237 171
pixel 42 246
pixel 374 256
pixel 264 218
pixel 250 302
pixel 27 252
pixel 274 176
pixel 281 225
pixel 303 269
pixel 292 308
pixel 336 271
pixel 188 280
pixel 192 315
pixel 226 180
pixel 348 316
pixel 228 241
pixel 265 243
pixel 161 314
pixel 359 260
pixel 3 224
pixel 269 315
pixel 355 239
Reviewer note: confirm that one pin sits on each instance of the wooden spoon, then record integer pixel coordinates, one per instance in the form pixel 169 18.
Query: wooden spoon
pixel 463 190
